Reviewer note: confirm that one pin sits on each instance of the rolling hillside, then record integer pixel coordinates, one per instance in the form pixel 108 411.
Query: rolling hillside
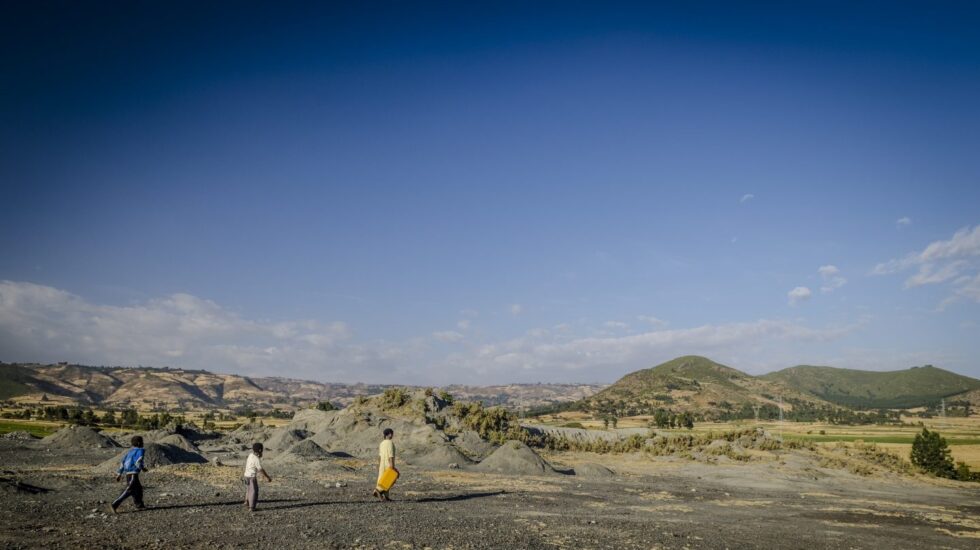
pixel 169 389
pixel 870 389
pixel 698 384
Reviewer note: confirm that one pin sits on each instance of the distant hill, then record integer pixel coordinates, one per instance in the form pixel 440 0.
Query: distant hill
pixel 909 388
pixel 169 389
pixel 698 384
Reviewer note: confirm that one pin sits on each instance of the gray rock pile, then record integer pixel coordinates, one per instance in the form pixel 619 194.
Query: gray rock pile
pixel 284 438
pixel 79 437
pixel 155 455
pixel 19 435
pixel 515 458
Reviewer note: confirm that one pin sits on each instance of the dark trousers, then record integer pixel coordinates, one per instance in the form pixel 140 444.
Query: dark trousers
pixel 133 489
pixel 251 492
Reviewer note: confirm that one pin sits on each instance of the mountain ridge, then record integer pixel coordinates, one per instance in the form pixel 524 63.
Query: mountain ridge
pixel 697 384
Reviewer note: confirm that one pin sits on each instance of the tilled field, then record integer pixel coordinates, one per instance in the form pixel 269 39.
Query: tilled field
pixel 54 500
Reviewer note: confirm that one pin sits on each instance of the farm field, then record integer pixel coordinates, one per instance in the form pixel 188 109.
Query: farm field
pixel 962 434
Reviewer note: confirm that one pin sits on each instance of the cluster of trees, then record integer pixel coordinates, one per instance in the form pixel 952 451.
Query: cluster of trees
pixel 931 453
pixel 84 416
pixel 252 414
pixel 803 411
pixel 666 419
pixel 953 408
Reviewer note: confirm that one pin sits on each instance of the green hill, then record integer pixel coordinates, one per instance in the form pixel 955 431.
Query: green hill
pixel 870 389
pixel 14 381
pixel 700 385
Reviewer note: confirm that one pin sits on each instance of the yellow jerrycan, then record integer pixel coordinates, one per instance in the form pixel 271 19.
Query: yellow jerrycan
pixel 387 479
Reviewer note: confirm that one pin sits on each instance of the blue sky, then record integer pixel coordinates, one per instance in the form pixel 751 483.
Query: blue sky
pixel 429 193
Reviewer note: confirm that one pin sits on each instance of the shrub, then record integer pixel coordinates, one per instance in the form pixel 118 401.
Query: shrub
pixel 446 396
pixel 394 398
pixel 931 454
pixel 963 473
pixel 325 406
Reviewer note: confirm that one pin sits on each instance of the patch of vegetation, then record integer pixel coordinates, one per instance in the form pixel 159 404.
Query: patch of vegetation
pixel 578 425
pixel 931 454
pixel 325 406
pixel 871 389
pixel 394 398
pixel 13 380
pixel 40 430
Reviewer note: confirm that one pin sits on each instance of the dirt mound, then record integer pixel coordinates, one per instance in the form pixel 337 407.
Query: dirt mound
pixel 178 440
pixel 472 445
pixel 284 438
pixel 79 437
pixel 438 456
pixel 515 458
pixel 247 435
pixel 304 451
pixel 155 455
pixel 19 435
pixel 593 471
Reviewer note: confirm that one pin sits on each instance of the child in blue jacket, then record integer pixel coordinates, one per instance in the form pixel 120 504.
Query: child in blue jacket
pixel 132 465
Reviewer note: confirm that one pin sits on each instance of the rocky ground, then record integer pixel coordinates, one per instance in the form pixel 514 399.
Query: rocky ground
pixel 54 499
pixel 460 491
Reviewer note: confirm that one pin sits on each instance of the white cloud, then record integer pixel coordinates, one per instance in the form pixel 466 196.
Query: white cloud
pixel 956 260
pixel 652 320
pixel 929 274
pixel 41 323
pixel 832 279
pixel 463 324
pixel 629 352
pixel 902 222
pixel 616 325
pixel 516 309
pixel 448 336
pixel 746 198
pixel 798 294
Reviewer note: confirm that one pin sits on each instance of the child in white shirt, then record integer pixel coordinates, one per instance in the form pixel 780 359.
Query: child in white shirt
pixel 253 467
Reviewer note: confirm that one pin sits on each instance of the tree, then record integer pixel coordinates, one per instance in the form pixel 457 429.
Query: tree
pixel 325 406
pixel 615 422
pixel 109 418
pixel 688 420
pixel 661 418
pixel 930 452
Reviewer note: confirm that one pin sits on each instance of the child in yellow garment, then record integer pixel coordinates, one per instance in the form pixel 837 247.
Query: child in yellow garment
pixel 386 459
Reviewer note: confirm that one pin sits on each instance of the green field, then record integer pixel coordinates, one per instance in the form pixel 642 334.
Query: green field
pixel 36 428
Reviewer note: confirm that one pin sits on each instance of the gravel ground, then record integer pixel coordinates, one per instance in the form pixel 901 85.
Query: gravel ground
pixel 53 499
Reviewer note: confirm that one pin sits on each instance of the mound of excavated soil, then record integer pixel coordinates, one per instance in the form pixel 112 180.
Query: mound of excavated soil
pixel 472 445
pixel 79 437
pixel 178 440
pixel 19 435
pixel 155 454
pixel 515 458
pixel 594 471
pixel 304 451
pixel 440 455
pixel 247 435
pixel 284 438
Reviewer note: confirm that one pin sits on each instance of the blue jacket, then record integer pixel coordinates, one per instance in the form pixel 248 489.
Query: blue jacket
pixel 132 462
